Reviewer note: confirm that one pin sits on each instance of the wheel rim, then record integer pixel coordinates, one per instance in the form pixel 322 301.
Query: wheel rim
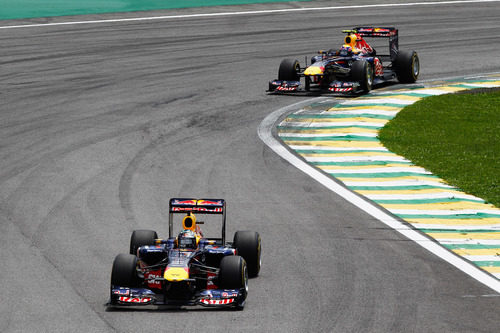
pixel 415 66
pixel 245 278
pixel 369 76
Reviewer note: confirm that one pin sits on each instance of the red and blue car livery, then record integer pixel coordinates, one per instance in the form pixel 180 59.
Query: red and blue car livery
pixel 355 68
pixel 189 269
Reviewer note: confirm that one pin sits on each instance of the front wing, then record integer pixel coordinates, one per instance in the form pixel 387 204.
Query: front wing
pixel 122 296
pixel 278 86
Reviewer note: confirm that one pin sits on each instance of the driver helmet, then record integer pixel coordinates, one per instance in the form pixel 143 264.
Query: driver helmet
pixel 350 45
pixel 187 240
pixel 189 222
pixel 351 40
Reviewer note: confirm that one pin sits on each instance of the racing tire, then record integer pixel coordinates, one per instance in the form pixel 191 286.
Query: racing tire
pixel 233 273
pixel 362 72
pixel 124 272
pixel 140 238
pixel 289 70
pixel 407 66
pixel 248 245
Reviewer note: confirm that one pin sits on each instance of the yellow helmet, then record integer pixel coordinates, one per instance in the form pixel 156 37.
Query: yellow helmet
pixel 350 40
pixel 189 222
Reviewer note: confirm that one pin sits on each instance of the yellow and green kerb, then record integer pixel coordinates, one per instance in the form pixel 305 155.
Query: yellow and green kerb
pixel 341 140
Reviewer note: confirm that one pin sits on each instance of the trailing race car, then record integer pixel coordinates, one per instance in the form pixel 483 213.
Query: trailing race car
pixel 189 269
pixel 355 68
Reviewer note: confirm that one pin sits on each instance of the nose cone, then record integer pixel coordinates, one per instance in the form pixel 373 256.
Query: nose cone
pixel 176 274
pixel 314 70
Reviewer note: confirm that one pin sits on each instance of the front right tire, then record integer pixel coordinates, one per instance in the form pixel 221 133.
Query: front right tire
pixel 289 70
pixel 233 273
pixel 124 271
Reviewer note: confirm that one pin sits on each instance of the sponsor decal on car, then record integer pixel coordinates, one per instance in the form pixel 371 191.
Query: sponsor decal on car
pixel 184 202
pixel 121 291
pixel 339 86
pixel 150 277
pixel 285 88
pixel 210 203
pixel 197 209
pixel 340 89
pixel 210 281
pixel 230 294
pixel 198 202
pixel 140 300
pixel 217 301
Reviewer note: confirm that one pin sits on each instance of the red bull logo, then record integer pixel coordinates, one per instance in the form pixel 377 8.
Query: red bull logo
pixel 363 46
pixel 184 202
pixel 209 203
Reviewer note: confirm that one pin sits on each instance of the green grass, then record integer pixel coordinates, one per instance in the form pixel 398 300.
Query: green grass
pixel 456 137
pixel 17 9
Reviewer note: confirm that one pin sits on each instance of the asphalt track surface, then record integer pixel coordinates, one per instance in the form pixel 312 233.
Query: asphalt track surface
pixel 102 123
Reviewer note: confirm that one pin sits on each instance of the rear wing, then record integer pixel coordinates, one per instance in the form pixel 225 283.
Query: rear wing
pixel 200 206
pixel 204 206
pixel 387 32
pixel 376 31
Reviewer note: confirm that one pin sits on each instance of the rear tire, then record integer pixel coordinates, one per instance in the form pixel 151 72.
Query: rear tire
pixel 362 72
pixel 289 70
pixel 248 245
pixel 140 238
pixel 407 66
pixel 124 272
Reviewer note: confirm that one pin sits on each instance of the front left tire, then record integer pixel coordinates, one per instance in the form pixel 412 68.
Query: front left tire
pixel 289 70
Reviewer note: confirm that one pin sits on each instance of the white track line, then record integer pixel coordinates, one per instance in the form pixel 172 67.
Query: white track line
pixel 252 12
pixel 265 133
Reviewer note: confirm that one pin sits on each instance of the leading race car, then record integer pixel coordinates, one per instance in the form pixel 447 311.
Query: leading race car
pixel 187 269
pixel 355 68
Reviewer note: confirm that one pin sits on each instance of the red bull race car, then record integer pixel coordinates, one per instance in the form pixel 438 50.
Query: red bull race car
pixel 355 68
pixel 187 269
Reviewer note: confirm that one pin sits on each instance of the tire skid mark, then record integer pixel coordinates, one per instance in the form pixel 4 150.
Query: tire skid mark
pixel 341 140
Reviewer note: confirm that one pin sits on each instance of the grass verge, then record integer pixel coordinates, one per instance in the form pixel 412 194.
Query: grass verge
pixel 455 136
